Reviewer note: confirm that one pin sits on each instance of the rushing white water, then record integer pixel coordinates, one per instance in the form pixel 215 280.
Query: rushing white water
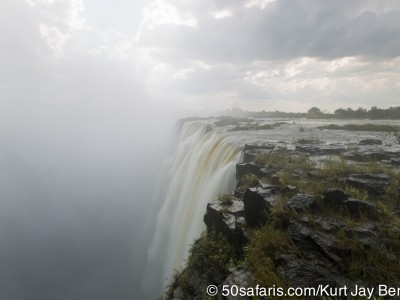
pixel 202 168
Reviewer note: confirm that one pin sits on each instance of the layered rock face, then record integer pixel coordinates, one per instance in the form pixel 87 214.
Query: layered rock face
pixel 298 218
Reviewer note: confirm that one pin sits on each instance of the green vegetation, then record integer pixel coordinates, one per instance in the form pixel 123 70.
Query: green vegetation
pixel 362 259
pixel 372 262
pixel 297 170
pixel 249 180
pixel 209 259
pixel 259 254
pixel 226 198
pixel 362 127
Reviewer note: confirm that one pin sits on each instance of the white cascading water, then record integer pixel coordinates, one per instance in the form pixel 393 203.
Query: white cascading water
pixel 201 168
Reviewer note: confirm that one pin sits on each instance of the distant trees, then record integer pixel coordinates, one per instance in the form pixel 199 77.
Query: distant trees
pixel 315 112
pixel 392 113
pixel 360 113
pixel 373 113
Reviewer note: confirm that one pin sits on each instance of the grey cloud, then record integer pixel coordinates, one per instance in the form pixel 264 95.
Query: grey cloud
pixel 284 30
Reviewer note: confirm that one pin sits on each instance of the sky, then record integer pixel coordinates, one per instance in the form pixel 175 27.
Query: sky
pixel 90 91
pixel 212 55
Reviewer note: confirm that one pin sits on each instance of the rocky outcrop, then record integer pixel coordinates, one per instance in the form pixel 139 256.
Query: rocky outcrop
pixel 227 218
pixel 321 150
pixel 371 155
pixel 375 184
pixel 327 231
pixel 301 272
pixel 257 204
pixel 339 200
pixel 301 202
pixel 247 168
pixel 251 151
pixel 370 142
pixel 320 254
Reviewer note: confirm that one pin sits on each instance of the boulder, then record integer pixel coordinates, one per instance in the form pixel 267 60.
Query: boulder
pixel 227 219
pixel 336 198
pixel 301 202
pixel 256 207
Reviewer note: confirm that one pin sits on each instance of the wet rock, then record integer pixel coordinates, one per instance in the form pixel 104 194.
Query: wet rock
pixel 246 168
pixel 370 142
pixel 371 154
pixel 268 192
pixel 301 202
pixel 258 147
pixel 240 278
pixel 250 151
pixel 336 198
pixel 357 208
pixel 249 155
pixel 335 195
pixel 267 172
pixel 256 207
pixel 227 219
pixel 300 272
pixel 329 224
pixel 363 231
pixel 310 149
pixel 375 184
pixel 314 244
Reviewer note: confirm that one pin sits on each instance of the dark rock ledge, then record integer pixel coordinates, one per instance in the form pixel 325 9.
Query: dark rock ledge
pixel 321 256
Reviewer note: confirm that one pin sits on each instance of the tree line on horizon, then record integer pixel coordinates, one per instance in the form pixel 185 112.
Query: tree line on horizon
pixel 375 113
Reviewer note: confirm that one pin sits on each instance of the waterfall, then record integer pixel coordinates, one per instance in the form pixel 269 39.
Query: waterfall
pixel 201 168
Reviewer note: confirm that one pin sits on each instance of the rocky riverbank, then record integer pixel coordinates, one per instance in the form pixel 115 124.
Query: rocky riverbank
pixel 303 217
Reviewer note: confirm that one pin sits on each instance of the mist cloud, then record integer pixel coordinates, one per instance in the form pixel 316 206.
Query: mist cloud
pixel 86 115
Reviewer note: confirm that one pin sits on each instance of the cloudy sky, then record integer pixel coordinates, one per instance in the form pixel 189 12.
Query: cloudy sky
pixel 89 90
pixel 210 54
